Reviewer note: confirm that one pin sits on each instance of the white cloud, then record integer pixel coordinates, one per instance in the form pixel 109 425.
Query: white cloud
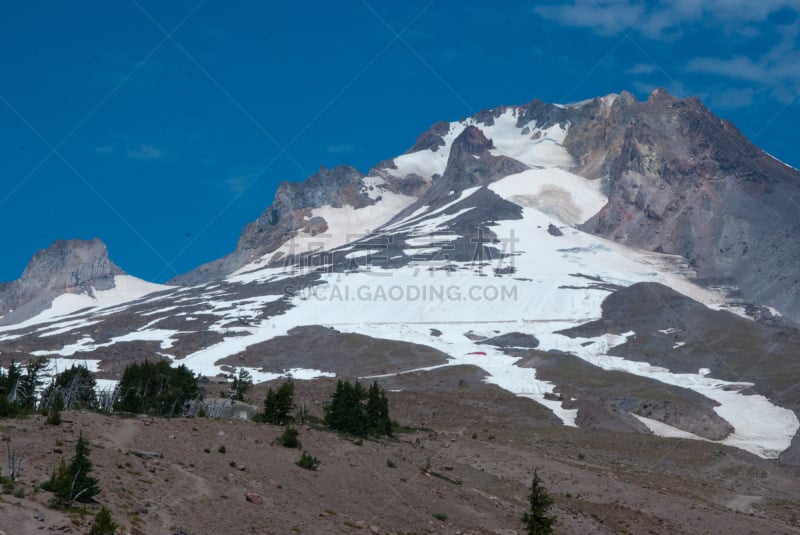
pixel 777 69
pixel 145 152
pixel 665 18
pixel 604 16
pixel 739 67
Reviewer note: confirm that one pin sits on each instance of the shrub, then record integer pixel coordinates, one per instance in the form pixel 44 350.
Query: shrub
pixel 289 438
pixel 221 449
pixel 308 461
pixel 54 413
pixel 440 516
pixel 103 524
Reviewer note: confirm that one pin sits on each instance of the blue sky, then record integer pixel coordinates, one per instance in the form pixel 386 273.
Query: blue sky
pixel 164 127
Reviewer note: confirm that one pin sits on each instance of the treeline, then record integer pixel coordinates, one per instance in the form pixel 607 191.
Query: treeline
pixel 159 389
pixel 150 387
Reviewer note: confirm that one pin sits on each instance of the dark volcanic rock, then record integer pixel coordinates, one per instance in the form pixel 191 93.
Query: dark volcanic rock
pixel 323 348
pixel 432 138
pixel 606 399
pixel 74 266
pixel 518 340
pixel 554 230
pixel 471 164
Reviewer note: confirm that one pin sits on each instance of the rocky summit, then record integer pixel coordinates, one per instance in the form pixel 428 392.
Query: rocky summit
pixel 607 289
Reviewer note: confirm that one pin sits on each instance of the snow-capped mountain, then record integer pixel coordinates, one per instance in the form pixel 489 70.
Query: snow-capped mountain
pixel 594 257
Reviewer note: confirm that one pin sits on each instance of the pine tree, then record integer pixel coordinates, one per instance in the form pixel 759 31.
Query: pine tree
pixel 242 383
pixel 359 412
pixel 278 404
pixel 156 388
pixel 103 524
pixel 72 481
pixel 537 521
pixel 74 387
pixel 378 411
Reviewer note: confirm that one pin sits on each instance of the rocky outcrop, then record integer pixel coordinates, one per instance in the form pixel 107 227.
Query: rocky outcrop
pixel 469 164
pixel 682 181
pixel 293 200
pixel 431 139
pixel 289 214
pixel 74 266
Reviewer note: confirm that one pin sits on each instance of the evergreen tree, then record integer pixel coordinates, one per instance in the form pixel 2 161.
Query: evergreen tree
pixel 75 387
pixel 537 521
pixel 156 388
pixel 72 481
pixel 103 524
pixel 378 411
pixel 8 384
pixel 278 404
pixel 18 389
pixel 29 383
pixel 359 412
pixel 242 383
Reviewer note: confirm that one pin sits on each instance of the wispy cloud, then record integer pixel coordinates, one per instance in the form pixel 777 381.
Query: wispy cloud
pixel 777 69
pixel 237 184
pixel 737 42
pixel 603 16
pixel 145 152
pixel 642 68
pixel 659 20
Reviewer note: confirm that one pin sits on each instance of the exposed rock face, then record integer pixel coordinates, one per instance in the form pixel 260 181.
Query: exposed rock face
pixel 289 214
pixel 682 181
pixel 336 187
pixel 471 163
pixel 74 266
pixel 431 139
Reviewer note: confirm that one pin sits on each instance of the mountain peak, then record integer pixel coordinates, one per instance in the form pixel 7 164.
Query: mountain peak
pixel 471 141
pixel 83 261
pixel 66 266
